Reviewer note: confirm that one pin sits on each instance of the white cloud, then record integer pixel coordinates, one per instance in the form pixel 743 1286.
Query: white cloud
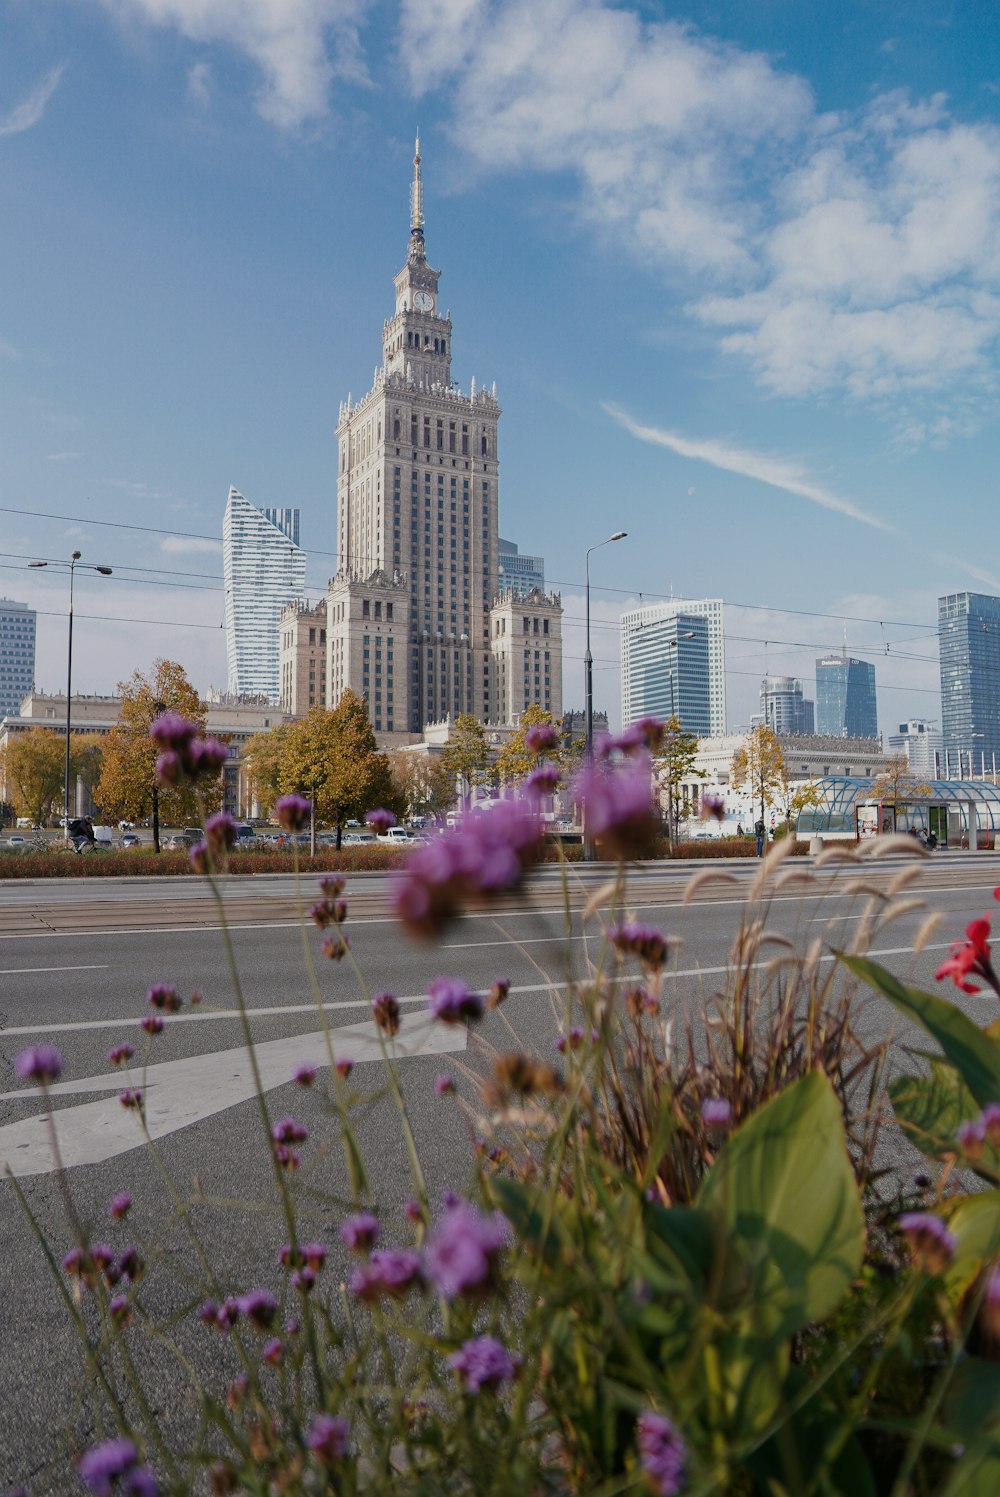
pixel 187 545
pixel 856 253
pixel 299 46
pixel 779 472
pixel 31 109
pixel 63 457
pixel 199 87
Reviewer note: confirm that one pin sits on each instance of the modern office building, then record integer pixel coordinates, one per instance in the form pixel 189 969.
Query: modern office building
pixel 17 654
pixel 264 569
pixel 520 574
pixel 784 707
pixel 409 611
pixel 969 649
pixel 923 745
pixel 674 663
pixel 845 697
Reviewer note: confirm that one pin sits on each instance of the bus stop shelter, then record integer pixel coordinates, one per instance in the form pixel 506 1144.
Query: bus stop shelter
pixel 960 813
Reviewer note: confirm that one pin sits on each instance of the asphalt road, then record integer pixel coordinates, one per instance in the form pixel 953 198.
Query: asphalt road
pixel 75 963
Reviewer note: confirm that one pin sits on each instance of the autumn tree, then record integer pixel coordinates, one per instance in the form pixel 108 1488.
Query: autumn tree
pixel 759 765
pixel 87 760
pixel 895 784
pixel 514 761
pixel 34 769
pixel 466 755
pixel 128 770
pixel 263 756
pixel 423 782
pixel 675 760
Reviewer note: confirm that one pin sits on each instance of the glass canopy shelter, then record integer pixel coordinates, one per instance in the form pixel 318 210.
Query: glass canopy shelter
pixel 946 808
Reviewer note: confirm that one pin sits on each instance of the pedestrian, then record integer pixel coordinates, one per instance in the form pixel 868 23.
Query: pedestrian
pixel 760 832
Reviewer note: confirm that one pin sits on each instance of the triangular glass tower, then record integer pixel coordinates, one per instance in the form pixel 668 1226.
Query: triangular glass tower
pixel 264 568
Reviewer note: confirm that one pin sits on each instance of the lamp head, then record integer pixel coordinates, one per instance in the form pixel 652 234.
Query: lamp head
pixel 37 563
pixel 104 571
pixel 77 555
pixel 619 535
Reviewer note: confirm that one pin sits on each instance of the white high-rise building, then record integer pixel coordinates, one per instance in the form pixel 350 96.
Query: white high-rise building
pixel 784 707
pixel 923 744
pixel 674 662
pixel 264 569
pixel 17 655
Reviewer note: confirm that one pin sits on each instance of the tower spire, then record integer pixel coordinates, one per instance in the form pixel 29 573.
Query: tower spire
pixel 417 209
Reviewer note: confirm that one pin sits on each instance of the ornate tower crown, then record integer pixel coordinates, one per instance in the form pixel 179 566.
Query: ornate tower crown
pixel 417 251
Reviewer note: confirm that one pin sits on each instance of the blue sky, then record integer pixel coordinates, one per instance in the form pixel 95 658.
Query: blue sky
pixel 734 267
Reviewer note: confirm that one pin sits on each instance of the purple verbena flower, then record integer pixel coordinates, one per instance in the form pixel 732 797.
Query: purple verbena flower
pixel 541 738
pixel 443 1085
pixel 104 1465
pixel 304 1075
pixel 327 1439
pixel 971 1137
pixel 293 812
pixel 360 1232
pixel 451 1001
pixel 120 1310
pixel 273 1352
pixel 662 1454
pixel 152 1024
pixel 498 992
pixel 484 1363
pixel 259 1307
pixel 220 833
pixel 463 1250
pixel 716 1113
pixel 618 808
pixel 344 1067
pixel 165 997
pixel 380 820
pixel 121 1054
pixel 131 1265
pixel 713 807
pixel 388 1274
pixel 131 1097
pixel 385 1007
pixel 990 1120
pixel 288 1131
pixel 121 1205
pixel 643 941
pixel 931 1245
pixel 41 1063
pixel 542 780
pixel 335 948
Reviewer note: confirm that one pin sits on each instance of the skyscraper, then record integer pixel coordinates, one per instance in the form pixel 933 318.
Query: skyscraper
pixel 17 654
pixel 264 568
pixel 845 697
pixel 674 662
pixel 969 649
pixel 923 746
pixel 409 623
pixel 784 706
pixel 520 573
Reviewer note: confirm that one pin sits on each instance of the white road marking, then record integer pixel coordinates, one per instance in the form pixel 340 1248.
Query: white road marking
pixel 88 967
pixel 178 1093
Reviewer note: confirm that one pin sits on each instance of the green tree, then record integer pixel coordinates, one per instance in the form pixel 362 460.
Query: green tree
pixel 466 755
pixel 87 760
pixel 895 784
pixel 332 757
pixel 759 765
pixel 514 761
pixel 263 757
pixel 34 769
pixel 128 766
pixel 426 787
pixel 675 760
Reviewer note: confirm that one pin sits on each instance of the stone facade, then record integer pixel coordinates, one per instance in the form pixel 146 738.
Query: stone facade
pixel 527 654
pixel 303 657
pixel 368 646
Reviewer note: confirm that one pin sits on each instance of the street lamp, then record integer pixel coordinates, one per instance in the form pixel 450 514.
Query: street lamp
pixel 672 644
pixel 104 572
pixel 619 535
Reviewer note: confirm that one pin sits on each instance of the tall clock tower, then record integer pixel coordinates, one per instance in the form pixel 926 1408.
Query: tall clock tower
pixel 417 499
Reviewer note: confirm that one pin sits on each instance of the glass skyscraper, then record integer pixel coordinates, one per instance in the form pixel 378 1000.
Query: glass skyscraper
pixel 264 568
pixel 969 649
pixel 845 697
pixel 673 661
pixel 520 573
pixel 17 655
pixel 784 707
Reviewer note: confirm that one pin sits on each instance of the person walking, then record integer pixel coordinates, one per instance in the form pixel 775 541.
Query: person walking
pixel 760 831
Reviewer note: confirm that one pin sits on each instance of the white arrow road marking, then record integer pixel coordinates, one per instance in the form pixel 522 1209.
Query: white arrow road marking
pixel 178 1093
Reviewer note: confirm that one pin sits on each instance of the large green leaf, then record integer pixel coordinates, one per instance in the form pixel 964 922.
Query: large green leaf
pixel 972 1402
pixel 974 1054
pixel 977 1473
pixel 790 1227
pixel 930 1109
pixel 975 1226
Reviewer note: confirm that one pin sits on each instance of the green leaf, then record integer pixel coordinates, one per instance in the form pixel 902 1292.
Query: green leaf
pixel 975 1226
pixel 521 1205
pixel 974 1054
pixel 931 1108
pixel 681 1238
pixel 789 1218
pixel 977 1473
pixel 972 1403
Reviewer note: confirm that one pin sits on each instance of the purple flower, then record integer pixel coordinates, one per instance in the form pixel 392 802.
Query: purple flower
pixel 386 1010
pixel 484 1363
pixel 990 1119
pixel 103 1465
pixel 303 1280
pixel 206 757
pixel 360 1232
pixel 463 1250
pixel 498 992
pixel 121 1054
pixel 120 1310
pixel 335 948
pixel 165 997
pixel 293 812
pixel 220 833
pixel 314 1254
pixel 198 857
pixel 451 1001
pixel 714 807
pixel 643 941
pixel 41 1063
pixel 288 1131
pixel 618 808
pixel 327 1439
pixel 380 819
pixel 485 855
pixel 273 1352
pixel 443 1085
pixel 542 738
pixel 259 1307
pixel 971 1138
pixel 183 754
pixel 716 1113
pixel 131 1265
pixel 931 1245
pixel 170 731
pixel 542 780
pixel 662 1454
pixel 121 1205
pixel 387 1274
pixel 344 1067
pixel 131 1097
pixel 304 1075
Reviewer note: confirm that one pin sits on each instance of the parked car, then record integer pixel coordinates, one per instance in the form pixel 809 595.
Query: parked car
pixel 16 841
pixel 180 842
pixel 131 840
pixel 359 839
pixel 398 836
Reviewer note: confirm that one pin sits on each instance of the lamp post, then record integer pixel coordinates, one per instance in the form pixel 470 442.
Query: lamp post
pixel 672 644
pixel 104 572
pixel 158 709
pixel 619 535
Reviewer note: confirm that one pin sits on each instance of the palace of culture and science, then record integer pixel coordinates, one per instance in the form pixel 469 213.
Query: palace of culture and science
pixel 413 620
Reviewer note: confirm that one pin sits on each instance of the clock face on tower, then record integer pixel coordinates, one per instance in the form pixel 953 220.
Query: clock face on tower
pixel 423 301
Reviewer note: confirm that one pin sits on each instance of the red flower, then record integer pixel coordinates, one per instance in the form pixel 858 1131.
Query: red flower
pixel 971 958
